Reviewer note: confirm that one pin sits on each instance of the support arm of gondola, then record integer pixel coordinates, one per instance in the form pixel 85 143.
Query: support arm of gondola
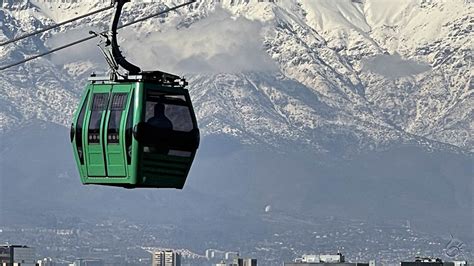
pixel 116 53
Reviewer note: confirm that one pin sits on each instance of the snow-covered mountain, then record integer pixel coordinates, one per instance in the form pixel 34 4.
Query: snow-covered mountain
pixel 332 76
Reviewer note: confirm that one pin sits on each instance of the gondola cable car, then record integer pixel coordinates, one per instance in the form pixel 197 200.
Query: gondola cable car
pixel 135 129
pixel 131 130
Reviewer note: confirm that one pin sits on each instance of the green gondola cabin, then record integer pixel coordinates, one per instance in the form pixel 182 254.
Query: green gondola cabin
pixel 117 136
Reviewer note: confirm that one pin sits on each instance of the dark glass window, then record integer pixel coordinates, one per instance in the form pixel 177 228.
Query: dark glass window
pixel 116 108
pixel 99 104
pixel 79 126
pixel 168 111
pixel 118 101
pixel 100 101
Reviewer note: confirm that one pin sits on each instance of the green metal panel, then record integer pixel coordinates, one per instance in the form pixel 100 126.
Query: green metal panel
pixel 116 151
pixel 95 162
pixel 164 171
pixel 137 148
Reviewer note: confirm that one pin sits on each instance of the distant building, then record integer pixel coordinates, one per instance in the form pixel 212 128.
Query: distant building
pixel 45 262
pixel 427 261
pixel 324 260
pixel 243 262
pixel 17 255
pixel 250 262
pixel 166 258
pixel 338 258
pixel 460 263
pixel 237 262
pixel 53 262
pixel 88 262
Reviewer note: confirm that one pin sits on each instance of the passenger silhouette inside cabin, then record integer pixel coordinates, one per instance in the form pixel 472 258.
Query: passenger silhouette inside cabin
pixel 159 120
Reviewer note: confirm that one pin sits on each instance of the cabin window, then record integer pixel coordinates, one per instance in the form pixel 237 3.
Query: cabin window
pixel 168 111
pixel 79 126
pixel 117 106
pixel 99 104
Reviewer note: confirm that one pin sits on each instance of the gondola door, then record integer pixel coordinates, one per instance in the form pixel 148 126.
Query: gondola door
pixel 93 126
pixel 115 147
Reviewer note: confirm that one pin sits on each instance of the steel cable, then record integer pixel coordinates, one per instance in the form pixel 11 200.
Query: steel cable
pixel 55 26
pixel 94 36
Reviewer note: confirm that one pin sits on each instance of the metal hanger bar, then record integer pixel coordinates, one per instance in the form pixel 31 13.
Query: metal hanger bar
pixel 93 36
pixel 114 47
pixel 55 26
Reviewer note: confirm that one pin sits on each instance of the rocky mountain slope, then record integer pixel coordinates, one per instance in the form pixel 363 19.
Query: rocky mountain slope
pixel 332 76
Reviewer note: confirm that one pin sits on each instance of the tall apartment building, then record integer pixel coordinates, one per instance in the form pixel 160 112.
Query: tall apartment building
pixel 166 258
pixel 17 255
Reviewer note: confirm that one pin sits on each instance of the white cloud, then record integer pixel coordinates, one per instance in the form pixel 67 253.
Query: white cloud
pixel 218 43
